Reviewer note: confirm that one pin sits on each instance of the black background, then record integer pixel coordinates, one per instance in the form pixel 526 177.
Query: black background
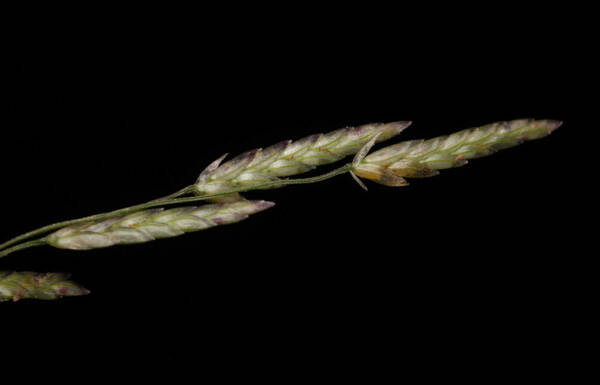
pixel 470 268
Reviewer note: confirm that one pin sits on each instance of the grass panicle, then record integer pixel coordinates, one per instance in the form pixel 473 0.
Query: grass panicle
pixel 257 170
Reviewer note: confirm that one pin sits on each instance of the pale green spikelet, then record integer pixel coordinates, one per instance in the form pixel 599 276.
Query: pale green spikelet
pixel 26 284
pixel 148 225
pixel 291 158
pixel 423 158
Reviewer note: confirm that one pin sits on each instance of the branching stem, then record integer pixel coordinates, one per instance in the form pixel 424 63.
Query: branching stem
pixel 164 201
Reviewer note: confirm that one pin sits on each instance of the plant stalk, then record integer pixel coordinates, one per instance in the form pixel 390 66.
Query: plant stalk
pixel 24 245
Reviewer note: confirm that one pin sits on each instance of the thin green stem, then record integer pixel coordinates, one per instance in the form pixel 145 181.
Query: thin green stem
pixel 168 200
pixel 183 191
pixel 277 183
pixel 24 245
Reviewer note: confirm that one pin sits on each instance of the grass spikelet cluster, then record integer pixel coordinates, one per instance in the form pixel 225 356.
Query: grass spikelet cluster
pixel 257 170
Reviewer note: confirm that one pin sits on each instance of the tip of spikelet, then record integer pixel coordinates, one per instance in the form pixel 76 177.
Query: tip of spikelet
pixel 399 126
pixel 263 205
pixel 553 125
pixel 537 129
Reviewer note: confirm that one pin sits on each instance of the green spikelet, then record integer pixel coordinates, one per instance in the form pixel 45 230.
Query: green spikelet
pixel 148 225
pixel 29 285
pixel 291 158
pixel 423 158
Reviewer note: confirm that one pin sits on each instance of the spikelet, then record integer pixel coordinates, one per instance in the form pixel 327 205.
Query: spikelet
pixel 290 158
pixel 148 225
pixel 27 284
pixel 423 158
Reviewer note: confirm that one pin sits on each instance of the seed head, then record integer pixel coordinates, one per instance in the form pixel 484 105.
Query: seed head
pixel 18 285
pixel 148 225
pixel 423 158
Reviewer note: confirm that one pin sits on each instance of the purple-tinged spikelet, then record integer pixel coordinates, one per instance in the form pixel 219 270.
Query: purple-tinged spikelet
pixel 21 285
